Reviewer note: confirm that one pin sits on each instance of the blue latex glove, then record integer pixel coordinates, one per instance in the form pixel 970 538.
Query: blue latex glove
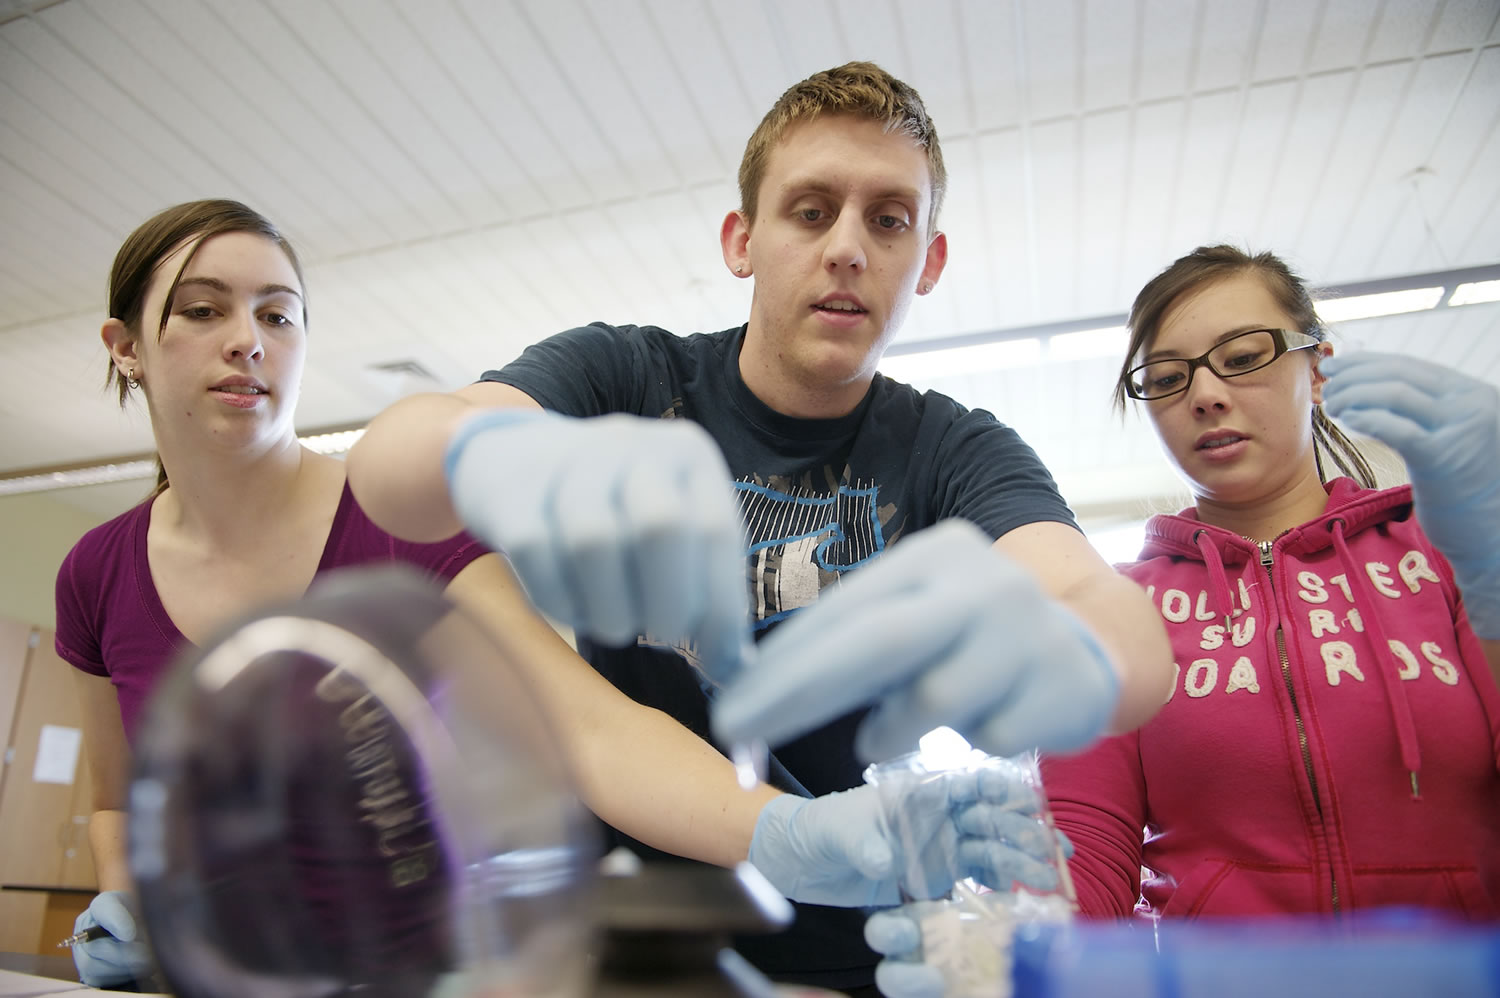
pixel 942 630
pixel 840 849
pixel 907 971
pixel 1446 426
pixel 896 934
pixel 617 526
pixel 119 957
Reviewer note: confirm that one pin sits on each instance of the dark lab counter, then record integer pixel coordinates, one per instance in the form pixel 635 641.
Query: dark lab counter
pixel 59 968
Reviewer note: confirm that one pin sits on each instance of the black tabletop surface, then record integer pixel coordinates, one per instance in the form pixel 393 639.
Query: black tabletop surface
pixel 60 968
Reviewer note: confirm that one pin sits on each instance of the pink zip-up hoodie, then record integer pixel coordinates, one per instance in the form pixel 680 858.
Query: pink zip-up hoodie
pixel 1331 742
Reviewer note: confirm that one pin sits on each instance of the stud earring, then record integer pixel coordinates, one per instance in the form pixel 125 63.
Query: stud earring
pixel 130 380
pixel 740 269
pixel 926 287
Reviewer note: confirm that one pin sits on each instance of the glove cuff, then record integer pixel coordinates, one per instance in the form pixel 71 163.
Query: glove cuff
pixel 1095 648
pixel 772 838
pixel 480 422
pixel 773 822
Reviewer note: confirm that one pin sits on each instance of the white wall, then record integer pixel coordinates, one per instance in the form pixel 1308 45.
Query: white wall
pixel 36 531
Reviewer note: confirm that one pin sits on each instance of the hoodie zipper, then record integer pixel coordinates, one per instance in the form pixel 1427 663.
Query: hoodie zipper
pixel 1266 560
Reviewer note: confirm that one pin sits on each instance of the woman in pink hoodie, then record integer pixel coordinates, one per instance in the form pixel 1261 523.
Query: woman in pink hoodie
pixel 1330 742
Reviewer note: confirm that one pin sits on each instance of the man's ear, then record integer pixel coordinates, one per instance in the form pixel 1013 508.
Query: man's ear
pixel 122 346
pixel 734 240
pixel 1319 379
pixel 932 267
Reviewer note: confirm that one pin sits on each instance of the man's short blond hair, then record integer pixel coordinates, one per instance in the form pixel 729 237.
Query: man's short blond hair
pixel 861 89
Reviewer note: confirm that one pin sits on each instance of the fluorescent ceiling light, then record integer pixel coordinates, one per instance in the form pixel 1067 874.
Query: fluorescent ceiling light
pixel 332 443
pixel 1370 306
pixel 336 442
pixel 1475 294
pixel 1088 344
pixel 123 471
pixel 981 358
pixel 915 367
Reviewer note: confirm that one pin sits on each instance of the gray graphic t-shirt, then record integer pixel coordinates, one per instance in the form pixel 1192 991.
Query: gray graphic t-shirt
pixel 818 498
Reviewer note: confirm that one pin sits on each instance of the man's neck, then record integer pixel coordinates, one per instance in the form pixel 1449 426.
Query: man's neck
pixel 794 393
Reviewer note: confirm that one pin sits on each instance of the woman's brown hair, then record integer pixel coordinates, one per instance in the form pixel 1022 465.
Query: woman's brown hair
pixel 1208 265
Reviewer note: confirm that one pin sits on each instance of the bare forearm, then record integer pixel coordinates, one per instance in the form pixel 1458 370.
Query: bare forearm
pixel 1117 611
pixel 109 766
pixel 107 843
pixel 640 770
pixel 637 768
pixel 670 789
pixel 396 468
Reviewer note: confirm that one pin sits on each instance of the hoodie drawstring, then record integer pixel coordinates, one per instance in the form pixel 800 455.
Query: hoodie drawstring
pixel 1223 596
pixel 1406 727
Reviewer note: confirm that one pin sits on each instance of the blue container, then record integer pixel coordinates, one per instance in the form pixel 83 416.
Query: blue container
pixel 1393 953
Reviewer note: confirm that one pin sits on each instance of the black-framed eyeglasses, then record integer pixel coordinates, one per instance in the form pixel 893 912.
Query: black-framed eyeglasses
pixel 1240 354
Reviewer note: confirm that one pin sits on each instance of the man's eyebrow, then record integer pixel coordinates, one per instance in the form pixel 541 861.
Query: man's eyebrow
pixel 1247 327
pixel 218 285
pixel 813 186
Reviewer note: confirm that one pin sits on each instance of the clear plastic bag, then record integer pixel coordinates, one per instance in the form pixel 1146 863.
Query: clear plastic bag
pixel 968 928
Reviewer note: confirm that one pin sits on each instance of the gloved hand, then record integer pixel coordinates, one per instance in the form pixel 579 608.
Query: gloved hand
pixel 896 934
pixel 119 957
pixel 840 849
pixel 912 959
pixel 942 630
pixel 617 526
pixel 916 965
pixel 1446 426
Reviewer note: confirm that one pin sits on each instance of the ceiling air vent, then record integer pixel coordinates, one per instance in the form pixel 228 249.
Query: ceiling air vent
pixel 402 369
pixel 394 379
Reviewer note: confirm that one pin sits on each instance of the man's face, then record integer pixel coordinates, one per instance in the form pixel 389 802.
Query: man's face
pixel 838 246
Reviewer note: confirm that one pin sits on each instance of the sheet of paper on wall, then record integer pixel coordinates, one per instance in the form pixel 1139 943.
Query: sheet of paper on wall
pixel 57 754
pixel 15 985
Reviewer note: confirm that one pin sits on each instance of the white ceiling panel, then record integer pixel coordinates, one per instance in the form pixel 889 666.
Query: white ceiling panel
pixel 1110 35
pixel 1151 176
pixel 1196 177
pixel 1306 139
pixel 1166 52
pixel 1225 45
pixel 1401 29
pixel 463 177
pixel 970 282
pixel 1286 39
pixel 988 49
pixel 1048 58
pixel 1052 216
pixel 1344 33
pixel 755 44
pixel 1462 22
pixel 1099 231
pixel 1469 337
pixel 926 43
pixel 689 45
pixel 1482 240
pixel 1010 224
pixel 33 146
pixel 1254 159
